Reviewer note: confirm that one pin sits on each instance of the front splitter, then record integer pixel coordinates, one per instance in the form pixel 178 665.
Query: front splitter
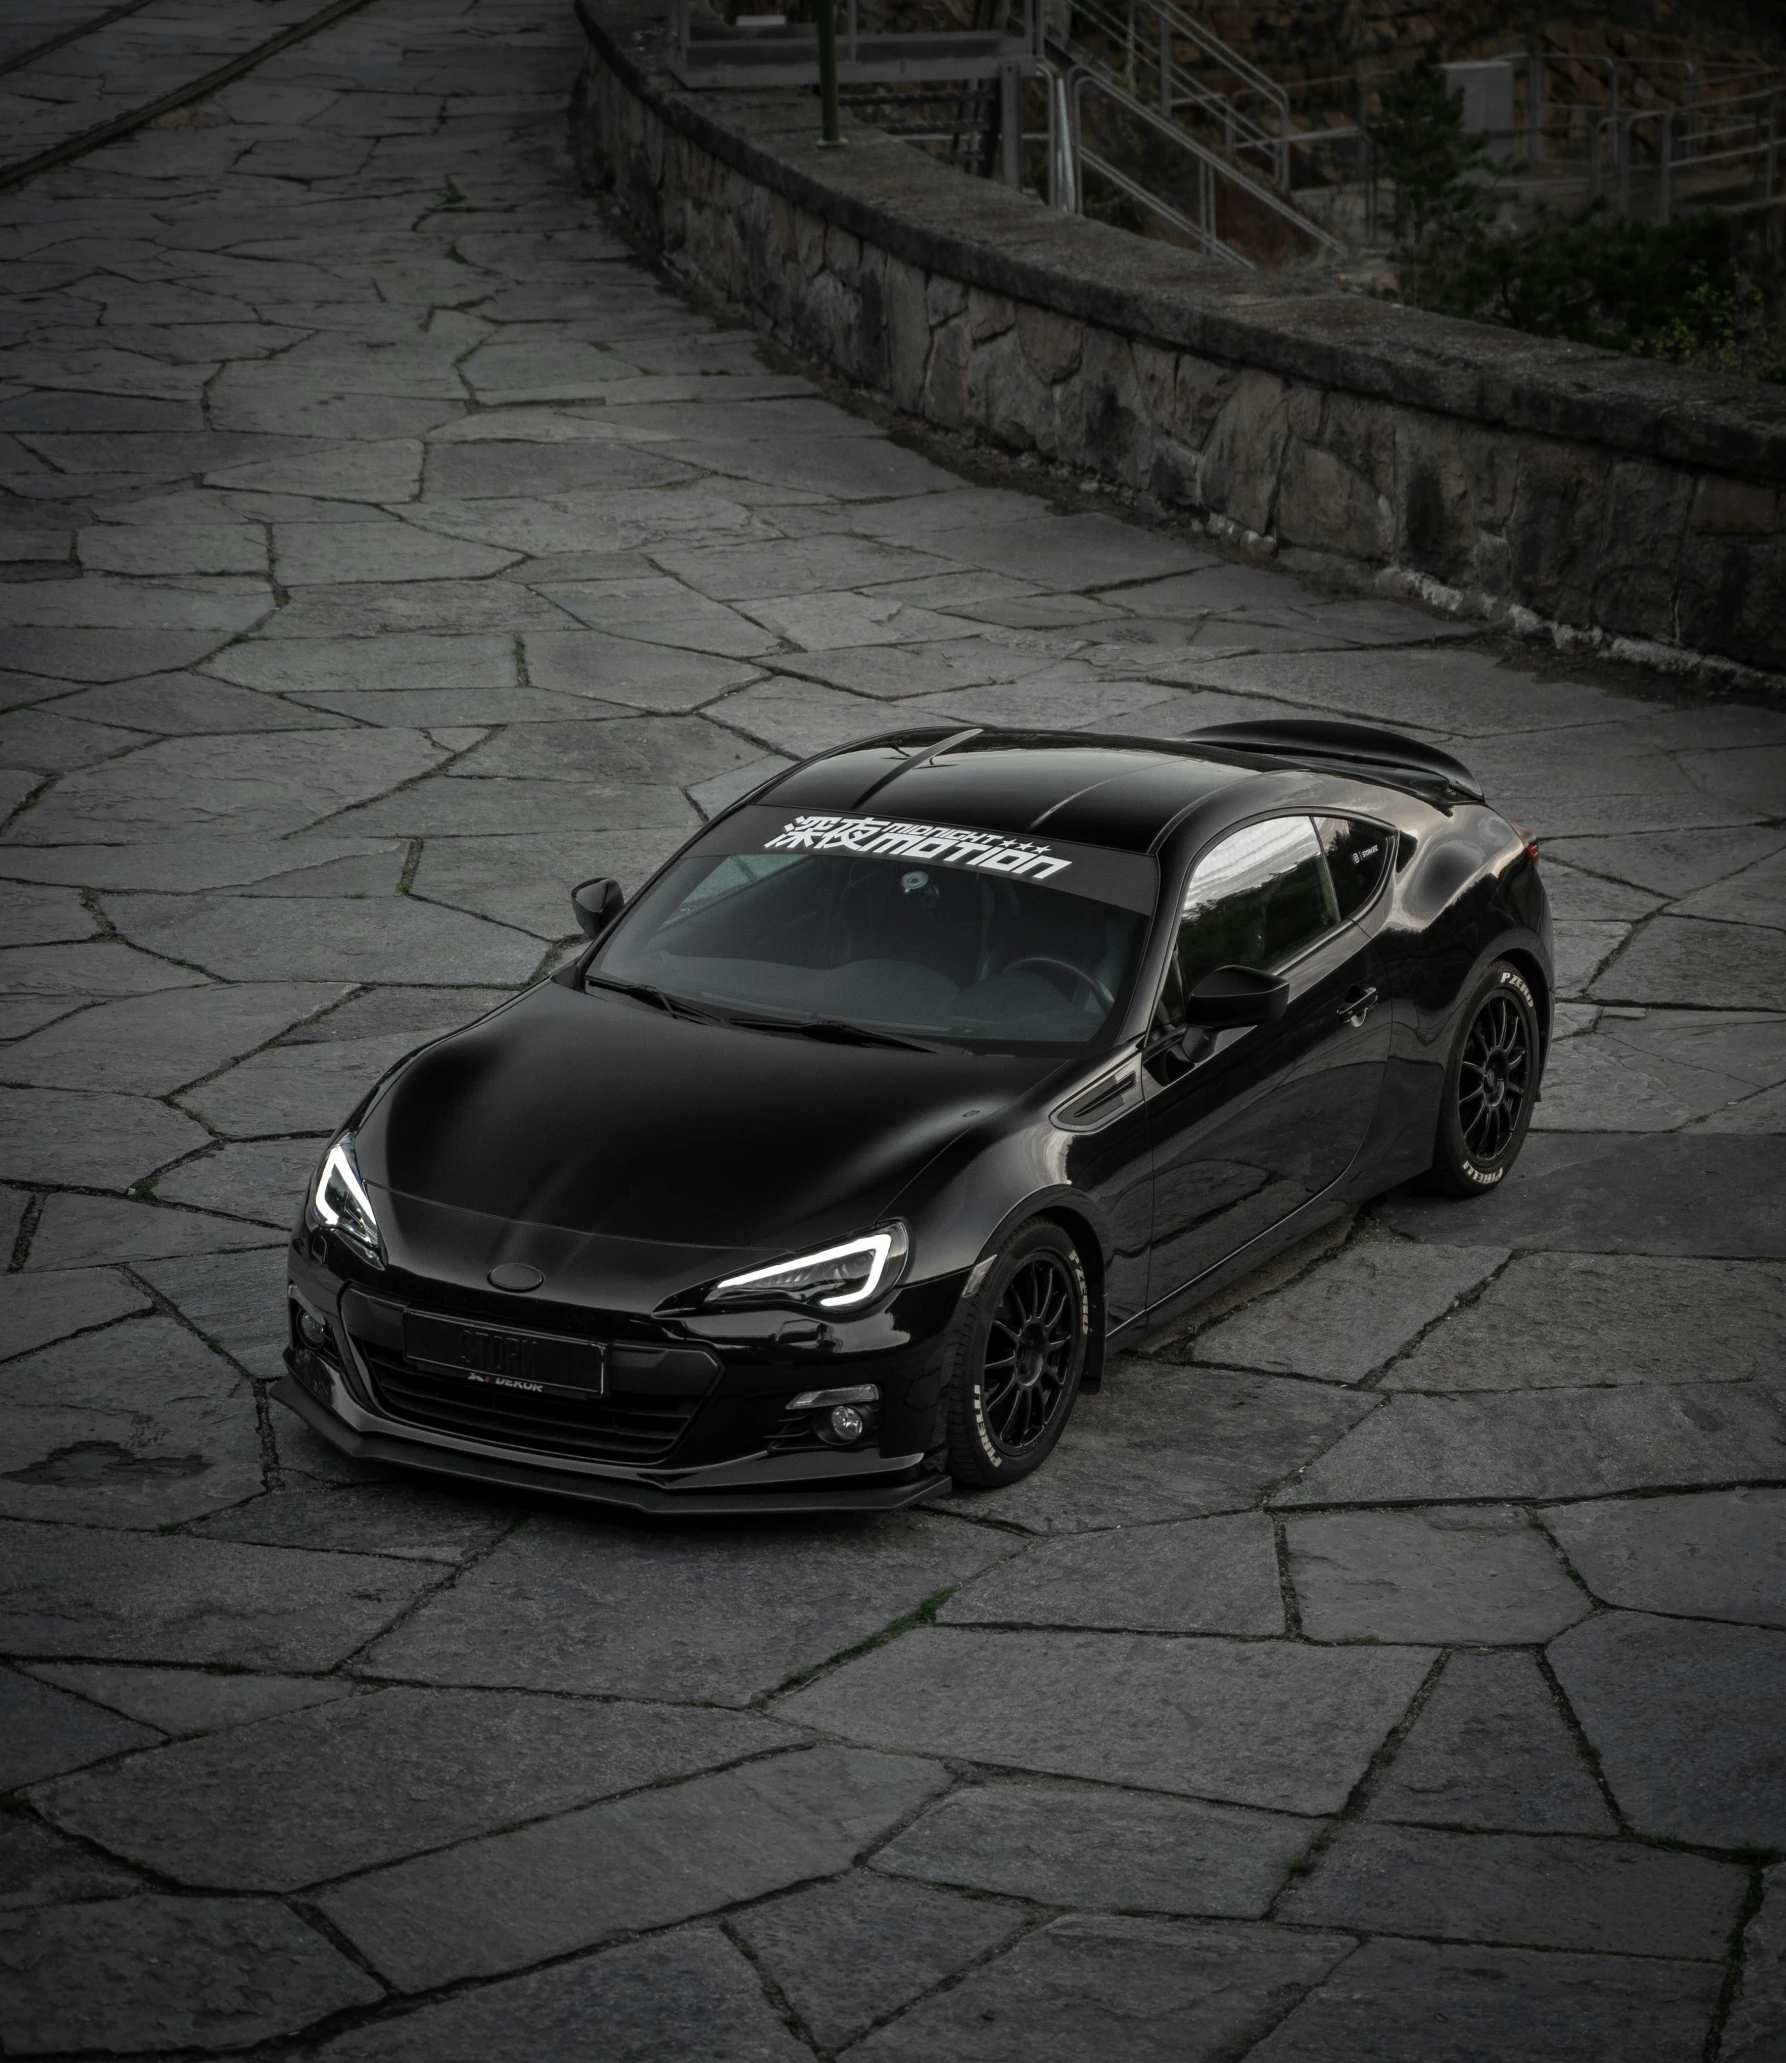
pixel 770 1502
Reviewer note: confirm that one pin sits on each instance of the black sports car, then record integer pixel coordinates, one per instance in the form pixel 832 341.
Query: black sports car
pixel 835 1165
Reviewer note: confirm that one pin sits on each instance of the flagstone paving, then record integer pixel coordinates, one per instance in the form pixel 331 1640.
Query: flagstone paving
pixel 1388 1665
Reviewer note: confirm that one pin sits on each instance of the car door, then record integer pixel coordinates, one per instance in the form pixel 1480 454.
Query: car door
pixel 1248 1125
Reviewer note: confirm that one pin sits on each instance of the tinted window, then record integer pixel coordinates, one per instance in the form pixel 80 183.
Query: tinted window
pixel 1357 854
pixel 883 941
pixel 1255 900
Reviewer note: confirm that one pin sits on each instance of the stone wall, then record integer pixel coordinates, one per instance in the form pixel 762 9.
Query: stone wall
pixel 1535 482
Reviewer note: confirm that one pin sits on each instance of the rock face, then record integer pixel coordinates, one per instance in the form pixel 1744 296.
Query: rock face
pixel 1632 500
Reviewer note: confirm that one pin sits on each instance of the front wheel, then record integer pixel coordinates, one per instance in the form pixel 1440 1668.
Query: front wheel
pixel 1491 1085
pixel 1018 1357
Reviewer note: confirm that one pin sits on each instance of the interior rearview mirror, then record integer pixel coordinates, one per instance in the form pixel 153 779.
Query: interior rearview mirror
pixel 597 903
pixel 1236 995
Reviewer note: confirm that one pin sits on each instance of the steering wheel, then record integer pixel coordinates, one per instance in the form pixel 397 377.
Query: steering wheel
pixel 1076 975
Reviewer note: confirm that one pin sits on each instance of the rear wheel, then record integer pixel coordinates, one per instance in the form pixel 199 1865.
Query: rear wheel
pixel 1018 1358
pixel 1491 1085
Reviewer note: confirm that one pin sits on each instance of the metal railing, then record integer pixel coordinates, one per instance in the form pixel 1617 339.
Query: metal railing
pixel 1204 141
pixel 1690 140
pixel 1718 128
pixel 705 51
pixel 1148 34
pixel 1072 76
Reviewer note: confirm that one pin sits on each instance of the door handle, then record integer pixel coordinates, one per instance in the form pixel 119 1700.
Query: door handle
pixel 1359 1004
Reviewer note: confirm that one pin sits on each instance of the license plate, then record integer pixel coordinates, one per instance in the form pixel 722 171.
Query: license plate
pixel 533 1364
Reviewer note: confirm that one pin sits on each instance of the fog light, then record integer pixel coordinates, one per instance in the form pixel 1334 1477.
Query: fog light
pixel 847 1423
pixel 313 1332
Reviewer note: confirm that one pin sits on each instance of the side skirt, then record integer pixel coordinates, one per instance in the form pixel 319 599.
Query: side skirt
pixel 1318 1211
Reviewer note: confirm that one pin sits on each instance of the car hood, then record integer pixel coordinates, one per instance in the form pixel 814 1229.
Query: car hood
pixel 602 1118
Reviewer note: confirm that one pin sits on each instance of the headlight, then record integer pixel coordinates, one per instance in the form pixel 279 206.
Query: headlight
pixel 340 1202
pixel 836 1278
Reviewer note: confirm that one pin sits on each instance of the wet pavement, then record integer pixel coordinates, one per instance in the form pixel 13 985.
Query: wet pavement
pixel 1390 1665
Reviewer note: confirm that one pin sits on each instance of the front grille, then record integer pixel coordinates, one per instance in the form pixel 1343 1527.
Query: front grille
pixel 629 1429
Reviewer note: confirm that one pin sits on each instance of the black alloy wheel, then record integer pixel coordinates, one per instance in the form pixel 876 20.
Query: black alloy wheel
pixel 1495 1078
pixel 1029 1352
pixel 1491 1085
pixel 1018 1356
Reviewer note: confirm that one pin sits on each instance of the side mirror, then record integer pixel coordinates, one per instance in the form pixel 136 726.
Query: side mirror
pixel 597 903
pixel 1236 995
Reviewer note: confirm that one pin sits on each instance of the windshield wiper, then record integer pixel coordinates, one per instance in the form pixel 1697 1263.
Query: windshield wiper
pixel 834 1031
pixel 672 1006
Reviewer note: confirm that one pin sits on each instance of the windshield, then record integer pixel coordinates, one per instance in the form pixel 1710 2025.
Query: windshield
pixel 934 933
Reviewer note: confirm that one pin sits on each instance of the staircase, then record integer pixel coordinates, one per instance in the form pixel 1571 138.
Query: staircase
pixel 1129 118
pixel 1135 111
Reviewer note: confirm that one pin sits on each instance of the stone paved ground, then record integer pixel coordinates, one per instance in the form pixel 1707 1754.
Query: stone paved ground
pixel 133 53
pixel 1392 1666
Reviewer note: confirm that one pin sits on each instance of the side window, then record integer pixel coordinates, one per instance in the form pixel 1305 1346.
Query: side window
pixel 1357 855
pixel 1255 900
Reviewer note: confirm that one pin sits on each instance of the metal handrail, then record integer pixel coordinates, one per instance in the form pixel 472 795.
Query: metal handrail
pixel 1230 59
pixel 1612 136
pixel 1083 75
pixel 1211 244
pixel 1064 186
pixel 1177 86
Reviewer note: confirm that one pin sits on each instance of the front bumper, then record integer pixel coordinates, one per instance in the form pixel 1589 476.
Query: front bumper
pixel 838 1482
pixel 685 1422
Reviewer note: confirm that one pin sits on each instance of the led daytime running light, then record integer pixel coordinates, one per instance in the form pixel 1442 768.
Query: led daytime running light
pixel 885 1251
pixel 355 1220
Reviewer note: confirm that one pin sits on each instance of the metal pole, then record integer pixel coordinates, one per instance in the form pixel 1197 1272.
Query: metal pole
pixel 1370 186
pixel 1076 139
pixel 1773 139
pixel 830 134
pixel 1665 197
pixel 1010 126
pixel 1623 134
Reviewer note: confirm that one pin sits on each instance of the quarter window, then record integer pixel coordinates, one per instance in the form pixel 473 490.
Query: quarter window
pixel 1357 854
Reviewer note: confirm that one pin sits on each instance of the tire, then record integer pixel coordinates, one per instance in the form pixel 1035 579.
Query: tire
pixel 1491 1085
pixel 1018 1358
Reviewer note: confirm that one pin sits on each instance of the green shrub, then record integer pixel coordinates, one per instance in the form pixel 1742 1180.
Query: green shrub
pixel 1671 290
pixel 1437 168
pixel 1676 290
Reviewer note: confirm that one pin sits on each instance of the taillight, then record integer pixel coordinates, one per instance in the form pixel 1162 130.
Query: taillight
pixel 1529 839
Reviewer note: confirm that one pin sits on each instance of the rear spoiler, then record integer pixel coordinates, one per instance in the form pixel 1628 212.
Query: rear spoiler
pixel 1350 748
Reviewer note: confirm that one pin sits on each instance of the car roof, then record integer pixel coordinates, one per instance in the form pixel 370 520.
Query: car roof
pixel 1114 792
pixel 1125 793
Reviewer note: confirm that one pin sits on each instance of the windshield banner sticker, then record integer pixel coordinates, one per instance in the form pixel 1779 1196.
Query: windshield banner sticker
pixel 885 836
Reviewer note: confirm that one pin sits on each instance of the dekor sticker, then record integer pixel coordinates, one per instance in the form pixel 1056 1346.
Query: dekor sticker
pixel 885 837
